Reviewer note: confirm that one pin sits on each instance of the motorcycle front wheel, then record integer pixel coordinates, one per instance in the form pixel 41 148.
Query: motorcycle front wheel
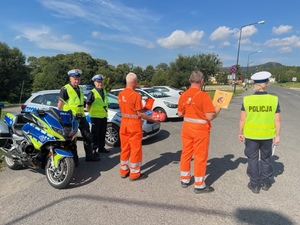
pixel 60 177
pixel 12 164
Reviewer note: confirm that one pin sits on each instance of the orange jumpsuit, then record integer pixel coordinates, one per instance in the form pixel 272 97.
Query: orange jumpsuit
pixel 131 133
pixel 195 134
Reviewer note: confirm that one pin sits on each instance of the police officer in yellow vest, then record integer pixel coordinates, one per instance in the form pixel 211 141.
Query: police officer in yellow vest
pixel 259 129
pixel 97 105
pixel 71 98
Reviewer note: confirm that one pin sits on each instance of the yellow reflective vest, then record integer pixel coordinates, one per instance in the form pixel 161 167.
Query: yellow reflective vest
pixel 74 103
pixel 99 107
pixel 260 111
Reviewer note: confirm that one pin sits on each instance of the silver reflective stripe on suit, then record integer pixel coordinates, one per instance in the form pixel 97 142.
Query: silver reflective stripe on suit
pixel 130 116
pixel 192 120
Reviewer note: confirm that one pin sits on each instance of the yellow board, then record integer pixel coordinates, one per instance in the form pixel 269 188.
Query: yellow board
pixel 222 98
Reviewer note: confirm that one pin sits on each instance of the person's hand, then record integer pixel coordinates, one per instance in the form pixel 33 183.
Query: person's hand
pixel 276 140
pixel 218 109
pixel 241 137
pixel 156 120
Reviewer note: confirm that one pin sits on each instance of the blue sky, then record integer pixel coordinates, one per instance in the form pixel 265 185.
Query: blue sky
pixel 149 32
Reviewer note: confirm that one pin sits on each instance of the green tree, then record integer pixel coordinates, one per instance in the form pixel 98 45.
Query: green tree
pixel 162 66
pixel 159 78
pixel 139 72
pixel 14 74
pixel 121 71
pixel 148 73
pixel 180 70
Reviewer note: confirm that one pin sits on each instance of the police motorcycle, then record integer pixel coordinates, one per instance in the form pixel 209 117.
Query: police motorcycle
pixel 41 139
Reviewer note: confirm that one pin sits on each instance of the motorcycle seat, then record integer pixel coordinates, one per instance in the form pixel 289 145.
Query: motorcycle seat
pixel 20 121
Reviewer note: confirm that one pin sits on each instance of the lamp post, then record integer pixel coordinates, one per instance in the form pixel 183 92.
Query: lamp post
pixel 248 62
pixel 239 45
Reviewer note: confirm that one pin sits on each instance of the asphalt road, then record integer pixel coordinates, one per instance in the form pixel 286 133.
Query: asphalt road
pixel 97 194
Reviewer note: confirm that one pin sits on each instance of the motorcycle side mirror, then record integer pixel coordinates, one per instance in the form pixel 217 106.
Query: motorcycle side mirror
pixel 41 112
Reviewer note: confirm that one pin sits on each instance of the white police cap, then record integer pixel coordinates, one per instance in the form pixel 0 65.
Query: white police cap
pixel 75 73
pixel 261 77
pixel 98 77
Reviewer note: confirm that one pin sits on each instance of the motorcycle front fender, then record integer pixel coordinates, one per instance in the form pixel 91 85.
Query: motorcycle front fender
pixel 60 153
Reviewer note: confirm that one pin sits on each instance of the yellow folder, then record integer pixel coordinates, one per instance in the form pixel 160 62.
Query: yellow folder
pixel 222 98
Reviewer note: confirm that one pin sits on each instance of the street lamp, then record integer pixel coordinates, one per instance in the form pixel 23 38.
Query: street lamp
pixel 238 53
pixel 248 61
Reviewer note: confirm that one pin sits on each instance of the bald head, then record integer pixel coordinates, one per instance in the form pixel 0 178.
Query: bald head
pixel 196 77
pixel 131 80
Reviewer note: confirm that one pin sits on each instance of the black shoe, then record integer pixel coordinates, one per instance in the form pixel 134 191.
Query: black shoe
pixel 92 159
pixel 96 154
pixel 266 186
pixel 125 176
pixel 141 177
pixel 207 189
pixel 254 188
pixel 103 150
pixel 184 185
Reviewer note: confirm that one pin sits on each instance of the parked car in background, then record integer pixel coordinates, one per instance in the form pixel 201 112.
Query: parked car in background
pixel 86 88
pixel 49 98
pixel 169 90
pixel 162 102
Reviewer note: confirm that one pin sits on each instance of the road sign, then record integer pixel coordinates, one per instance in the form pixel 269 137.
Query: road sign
pixel 232 69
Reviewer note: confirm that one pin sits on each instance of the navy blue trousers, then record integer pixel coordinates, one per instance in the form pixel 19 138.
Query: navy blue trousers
pixel 259 171
pixel 99 126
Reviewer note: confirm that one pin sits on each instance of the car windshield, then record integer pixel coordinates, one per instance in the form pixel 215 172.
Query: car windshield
pixel 155 93
pixel 112 101
pixel 86 87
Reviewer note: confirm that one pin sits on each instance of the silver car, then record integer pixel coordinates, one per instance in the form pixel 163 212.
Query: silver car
pixel 49 98
pixel 169 90
pixel 162 102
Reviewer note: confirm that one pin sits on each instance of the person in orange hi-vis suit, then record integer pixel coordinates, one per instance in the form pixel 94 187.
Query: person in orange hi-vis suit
pixel 197 109
pixel 131 132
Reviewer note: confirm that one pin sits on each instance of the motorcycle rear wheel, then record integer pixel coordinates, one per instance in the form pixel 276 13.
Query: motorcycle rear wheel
pixel 60 177
pixel 12 164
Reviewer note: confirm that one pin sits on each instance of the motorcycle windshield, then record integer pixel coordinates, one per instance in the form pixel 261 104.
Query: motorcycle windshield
pixel 62 122
pixel 63 117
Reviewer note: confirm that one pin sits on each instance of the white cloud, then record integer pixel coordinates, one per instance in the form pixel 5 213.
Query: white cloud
pixel 95 34
pixel 247 32
pixel 66 37
pixel 292 41
pixel 124 38
pixel 281 29
pixel 44 38
pixel 285 49
pixel 112 15
pixel 221 34
pixel 181 39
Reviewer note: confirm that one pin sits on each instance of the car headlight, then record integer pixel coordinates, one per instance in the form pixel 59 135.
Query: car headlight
pixel 170 105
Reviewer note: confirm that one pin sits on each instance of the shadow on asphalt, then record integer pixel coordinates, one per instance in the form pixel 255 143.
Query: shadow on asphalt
pixel 261 217
pixel 163 160
pixel 162 135
pixel 87 172
pixel 217 167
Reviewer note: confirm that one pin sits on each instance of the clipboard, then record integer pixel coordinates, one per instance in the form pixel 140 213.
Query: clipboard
pixel 273 149
pixel 222 98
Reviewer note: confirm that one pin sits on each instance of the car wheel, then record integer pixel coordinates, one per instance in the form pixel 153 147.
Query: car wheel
pixel 112 137
pixel 161 110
